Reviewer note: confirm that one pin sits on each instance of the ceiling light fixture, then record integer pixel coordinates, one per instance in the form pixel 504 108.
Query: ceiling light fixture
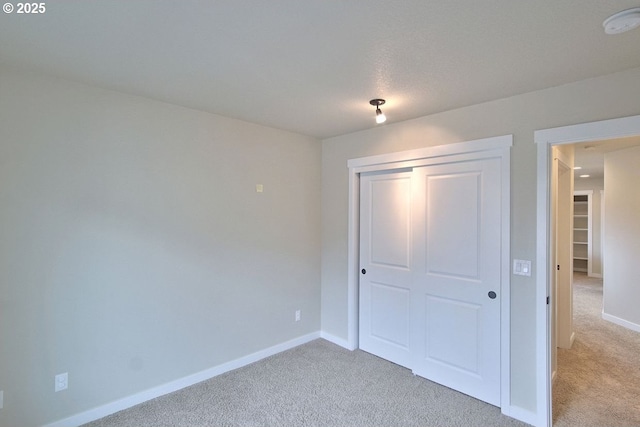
pixel 380 117
pixel 585 176
pixel 622 21
pixel 577 168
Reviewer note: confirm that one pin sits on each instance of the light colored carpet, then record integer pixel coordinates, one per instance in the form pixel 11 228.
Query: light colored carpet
pixel 316 384
pixel 598 380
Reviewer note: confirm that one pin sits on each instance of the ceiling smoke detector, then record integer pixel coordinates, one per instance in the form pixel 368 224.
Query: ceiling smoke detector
pixel 622 21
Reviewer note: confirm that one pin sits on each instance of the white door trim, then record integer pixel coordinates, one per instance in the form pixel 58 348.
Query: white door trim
pixel 593 131
pixel 482 148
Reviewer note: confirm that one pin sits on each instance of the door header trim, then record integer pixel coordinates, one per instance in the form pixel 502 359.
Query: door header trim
pixel 478 145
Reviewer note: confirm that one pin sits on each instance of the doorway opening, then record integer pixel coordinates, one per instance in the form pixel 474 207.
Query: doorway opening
pixel 567 137
pixel 583 371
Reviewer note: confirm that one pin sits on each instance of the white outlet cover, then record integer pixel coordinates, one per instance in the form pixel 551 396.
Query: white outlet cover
pixel 62 382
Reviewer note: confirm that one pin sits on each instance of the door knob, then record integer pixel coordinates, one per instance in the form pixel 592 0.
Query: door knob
pixel 364 271
pixel 492 295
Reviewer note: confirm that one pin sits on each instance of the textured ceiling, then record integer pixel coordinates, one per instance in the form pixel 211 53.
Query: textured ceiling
pixel 311 66
pixel 590 155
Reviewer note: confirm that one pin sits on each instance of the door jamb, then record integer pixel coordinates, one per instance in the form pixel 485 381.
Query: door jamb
pixel 544 139
pixel 482 148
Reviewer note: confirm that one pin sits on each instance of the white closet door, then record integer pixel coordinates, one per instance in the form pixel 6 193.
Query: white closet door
pixel 456 281
pixel 385 265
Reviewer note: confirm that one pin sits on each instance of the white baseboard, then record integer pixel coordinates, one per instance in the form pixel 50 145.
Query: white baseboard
pixel 152 393
pixel 596 275
pixel 621 322
pixel 336 340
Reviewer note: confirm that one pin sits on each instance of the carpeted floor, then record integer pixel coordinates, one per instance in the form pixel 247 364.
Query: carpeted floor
pixel 317 384
pixel 598 380
pixel 321 384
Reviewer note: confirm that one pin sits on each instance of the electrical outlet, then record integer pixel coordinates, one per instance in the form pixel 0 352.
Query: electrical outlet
pixel 62 382
pixel 297 315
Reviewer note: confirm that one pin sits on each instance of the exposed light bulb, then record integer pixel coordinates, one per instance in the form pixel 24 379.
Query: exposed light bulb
pixel 380 117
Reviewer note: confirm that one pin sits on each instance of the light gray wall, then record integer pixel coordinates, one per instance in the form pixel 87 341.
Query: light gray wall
pixel 622 235
pixel 596 99
pixel 594 184
pixel 134 249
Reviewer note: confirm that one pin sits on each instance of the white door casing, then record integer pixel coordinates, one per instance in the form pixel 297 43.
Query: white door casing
pixel 456 288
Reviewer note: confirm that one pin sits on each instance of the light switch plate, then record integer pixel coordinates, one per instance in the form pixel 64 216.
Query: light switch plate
pixel 521 267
